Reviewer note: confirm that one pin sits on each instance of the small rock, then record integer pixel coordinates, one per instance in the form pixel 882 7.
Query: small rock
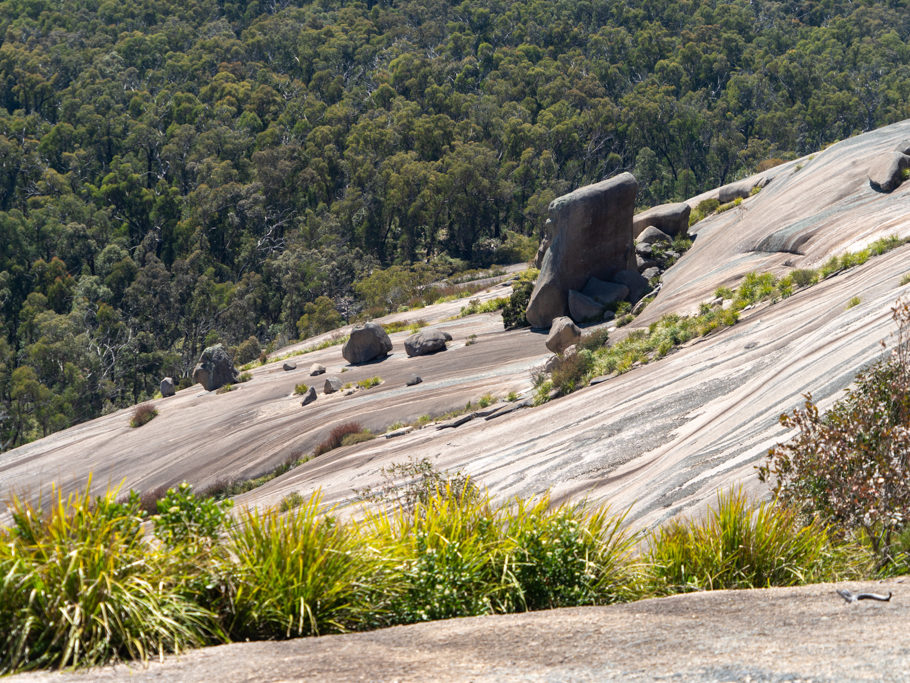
pixel 649 273
pixel 551 363
pixel 651 235
pixel 331 385
pixel 563 333
pixel 426 342
pixel 167 387
pixel 886 172
pixel 486 412
pixel 600 379
pixel 412 380
pixel 399 432
pixel 718 301
pixel 583 308
pixel 509 408
pixel 349 391
pixel 643 263
pixel 287 366
pixel 316 369
pixel 309 396
pixel 643 250
pixel 570 351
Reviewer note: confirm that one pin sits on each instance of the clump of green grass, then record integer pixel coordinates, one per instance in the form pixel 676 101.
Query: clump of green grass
pixel 854 301
pixel 245 377
pixel 369 382
pixel 704 209
pixel 476 306
pixel 300 389
pixel 79 587
pixel 905 279
pixel 227 388
pixel 291 501
pixel 471 340
pixel 400 325
pixel 740 545
pixel 143 414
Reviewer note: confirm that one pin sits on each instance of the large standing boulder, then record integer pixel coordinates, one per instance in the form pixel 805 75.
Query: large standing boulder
pixel 167 387
pixel 215 368
pixel 592 237
pixel 886 172
pixel 637 283
pixel 563 334
pixel 672 219
pixel 426 342
pixel 367 342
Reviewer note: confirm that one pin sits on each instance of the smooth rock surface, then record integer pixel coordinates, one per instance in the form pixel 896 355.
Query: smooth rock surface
pixel 592 229
pixel 368 341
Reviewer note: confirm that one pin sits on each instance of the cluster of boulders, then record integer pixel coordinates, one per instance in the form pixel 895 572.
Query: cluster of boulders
pixel 589 259
pixel 369 342
pixel 887 171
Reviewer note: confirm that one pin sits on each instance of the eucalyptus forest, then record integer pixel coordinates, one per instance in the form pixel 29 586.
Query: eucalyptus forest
pixel 175 174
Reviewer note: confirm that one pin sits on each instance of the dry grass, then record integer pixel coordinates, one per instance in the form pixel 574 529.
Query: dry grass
pixel 143 414
pixel 336 437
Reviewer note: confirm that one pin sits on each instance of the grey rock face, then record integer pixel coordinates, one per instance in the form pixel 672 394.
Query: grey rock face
pixel 331 385
pixel 637 284
pixel 886 172
pixel 563 333
pixel 650 235
pixel 673 219
pixel 738 190
pixel 648 273
pixel 425 342
pixel 605 292
pixel 643 263
pixel 215 368
pixel 412 380
pixel 317 369
pixel 167 387
pixel 592 237
pixel 368 341
pixel 903 146
pixel 583 308
pixel 309 396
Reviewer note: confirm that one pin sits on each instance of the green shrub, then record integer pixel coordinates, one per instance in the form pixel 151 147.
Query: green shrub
pixel 245 377
pixel 854 301
pixel 513 312
pixel 849 465
pixel 80 587
pixel 476 306
pixel 804 277
pixel 300 389
pixel 705 208
pixel 358 437
pixel 246 351
pixel 318 316
pixel 739 545
pixel 184 517
pixel 291 501
pixel 143 414
pixel 570 372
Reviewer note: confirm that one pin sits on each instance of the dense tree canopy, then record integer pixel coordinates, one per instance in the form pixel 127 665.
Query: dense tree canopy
pixel 173 173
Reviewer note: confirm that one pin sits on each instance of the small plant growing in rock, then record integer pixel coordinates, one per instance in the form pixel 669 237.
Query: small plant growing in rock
pixel 301 389
pixel 854 301
pixel 485 400
pixel 336 437
pixel 370 382
pixel 512 397
pixel 225 389
pixel 472 339
pixel 263 358
pixel 143 414
pixel 291 501
pixel 245 377
pixel 905 279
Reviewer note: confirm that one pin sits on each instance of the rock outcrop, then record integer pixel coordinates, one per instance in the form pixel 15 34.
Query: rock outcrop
pixel 166 387
pixel 592 237
pixel 673 219
pixel 887 171
pixel 368 341
pixel 215 368
pixel 563 334
pixel 426 342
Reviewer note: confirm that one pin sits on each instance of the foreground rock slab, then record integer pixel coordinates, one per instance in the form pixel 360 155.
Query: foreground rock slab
pixel 807 633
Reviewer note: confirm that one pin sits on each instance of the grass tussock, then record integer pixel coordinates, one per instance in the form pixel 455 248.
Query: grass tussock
pixel 369 382
pixel 338 435
pixel 143 414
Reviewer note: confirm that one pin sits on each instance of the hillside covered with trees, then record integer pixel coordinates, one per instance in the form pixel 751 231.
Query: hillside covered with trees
pixel 178 173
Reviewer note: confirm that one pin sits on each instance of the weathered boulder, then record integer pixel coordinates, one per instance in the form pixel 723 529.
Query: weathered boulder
pixel 648 273
pixel 886 172
pixel 412 380
pixel 426 342
pixel 592 237
pixel 541 252
pixel 287 366
pixel 583 308
pixel 637 284
pixel 215 368
pixel 643 249
pixel 903 146
pixel 650 235
pixel 317 369
pixel 739 190
pixel 367 342
pixel 331 385
pixel 672 219
pixel 563 333
pixel 605 292
pixel 309 396
pixel 167 387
